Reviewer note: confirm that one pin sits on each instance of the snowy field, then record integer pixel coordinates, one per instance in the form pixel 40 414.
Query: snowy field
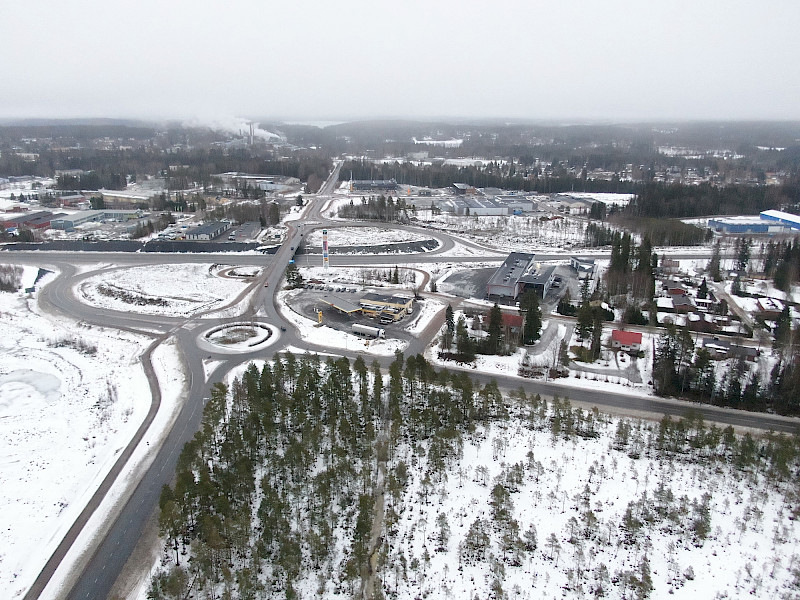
pixel 533 513
pixel 364 236
pixel 322 335
pixel 35 185
pixel 70 399
pixel 175 289
pixel 172 382
pixel 511 233
pixel 408 275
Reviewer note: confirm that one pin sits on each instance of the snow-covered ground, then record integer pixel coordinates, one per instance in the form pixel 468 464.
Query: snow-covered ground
pixel 409 275
pixel 171 380
pixel 594 505
pixel 35 185
pixel 511 233
pixel 364 236
pixel 70 400
pixel 322 335
pixel 172 289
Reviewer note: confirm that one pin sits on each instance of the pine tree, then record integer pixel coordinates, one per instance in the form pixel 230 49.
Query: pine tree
pixel 597 331
pixel 585 323
pixel 783 330
pixel 743 254
pixel 293 277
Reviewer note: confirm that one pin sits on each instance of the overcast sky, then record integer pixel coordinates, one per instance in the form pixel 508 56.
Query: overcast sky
pixel 594 59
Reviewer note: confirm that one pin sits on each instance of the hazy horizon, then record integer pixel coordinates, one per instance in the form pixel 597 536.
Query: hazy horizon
pixel 619 62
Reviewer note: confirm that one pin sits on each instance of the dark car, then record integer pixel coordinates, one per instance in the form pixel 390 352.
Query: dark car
pixel 283 328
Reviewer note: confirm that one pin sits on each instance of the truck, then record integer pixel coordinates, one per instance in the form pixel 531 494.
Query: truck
pixel 370 331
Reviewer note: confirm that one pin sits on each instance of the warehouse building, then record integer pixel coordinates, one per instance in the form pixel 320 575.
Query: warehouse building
pixel 372 185
pixel 208 231
pixel 460 189
pixel 474 207
pixel 786 219
pixel 126 200
pixel 39 219
pixel 75 200
pixel 69 222
pixel 744 225
pixel 506 280
pixel 516 204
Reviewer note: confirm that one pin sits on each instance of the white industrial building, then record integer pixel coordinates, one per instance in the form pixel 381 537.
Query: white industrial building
pixel 474 206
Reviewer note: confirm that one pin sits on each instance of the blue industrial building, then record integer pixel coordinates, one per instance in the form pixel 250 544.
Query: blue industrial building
pixel 740 225
pixel 784 218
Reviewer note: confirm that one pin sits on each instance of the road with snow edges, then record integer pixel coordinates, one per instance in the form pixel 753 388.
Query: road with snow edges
pixel 99 571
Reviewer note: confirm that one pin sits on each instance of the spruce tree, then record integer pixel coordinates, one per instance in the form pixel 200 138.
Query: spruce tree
pixel 533 317
pixel 714 263
pixel 702 291
pixel 493 342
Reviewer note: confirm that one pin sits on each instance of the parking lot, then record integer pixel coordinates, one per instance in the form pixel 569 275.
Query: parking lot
pixel 246 232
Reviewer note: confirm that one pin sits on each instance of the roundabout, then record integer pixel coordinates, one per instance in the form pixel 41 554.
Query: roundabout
pixel 238 338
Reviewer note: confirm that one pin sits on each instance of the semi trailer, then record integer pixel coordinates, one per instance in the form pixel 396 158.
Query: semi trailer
pixel 377 332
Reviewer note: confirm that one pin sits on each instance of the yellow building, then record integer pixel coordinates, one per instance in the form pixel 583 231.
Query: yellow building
pixel 386 307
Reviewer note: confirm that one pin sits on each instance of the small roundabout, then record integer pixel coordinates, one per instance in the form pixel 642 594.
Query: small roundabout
pixel 238 338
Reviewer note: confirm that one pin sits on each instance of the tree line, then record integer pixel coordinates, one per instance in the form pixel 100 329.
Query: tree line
pixel 660 201
pixel 376 208
pixel 439 175
pixel 681 370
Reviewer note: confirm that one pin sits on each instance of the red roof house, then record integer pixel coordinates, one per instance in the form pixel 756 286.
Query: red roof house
pixel 628 341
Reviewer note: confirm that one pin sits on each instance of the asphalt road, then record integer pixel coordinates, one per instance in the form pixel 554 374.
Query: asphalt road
pixel 98 576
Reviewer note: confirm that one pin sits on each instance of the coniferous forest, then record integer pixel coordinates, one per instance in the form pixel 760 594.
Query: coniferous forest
pixel 335 479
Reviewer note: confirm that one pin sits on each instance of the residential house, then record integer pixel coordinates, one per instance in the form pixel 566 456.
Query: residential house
pixel 683 304
pixel 627 341
pixel 769 309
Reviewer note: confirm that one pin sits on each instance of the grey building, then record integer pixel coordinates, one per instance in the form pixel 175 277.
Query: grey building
pixel 506 281
pixel 516 204
pixel 68 222
pixel 373 185
pixel 540 280
pixel 208 231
